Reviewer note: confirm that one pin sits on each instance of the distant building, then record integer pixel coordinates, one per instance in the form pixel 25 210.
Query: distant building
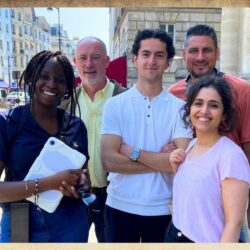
pixel 22 35
pixel 66 44
pixel 30 34
pixel 5 44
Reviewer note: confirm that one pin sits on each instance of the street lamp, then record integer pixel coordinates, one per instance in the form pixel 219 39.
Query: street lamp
pixel 9 67
pixel 59 29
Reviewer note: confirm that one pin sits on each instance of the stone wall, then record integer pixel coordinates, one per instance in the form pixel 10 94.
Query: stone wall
pixel 133 20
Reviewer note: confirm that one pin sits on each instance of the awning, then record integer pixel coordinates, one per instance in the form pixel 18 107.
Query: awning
pixel 4 85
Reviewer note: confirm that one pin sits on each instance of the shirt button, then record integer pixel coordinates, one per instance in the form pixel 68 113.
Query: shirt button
pixel 179 234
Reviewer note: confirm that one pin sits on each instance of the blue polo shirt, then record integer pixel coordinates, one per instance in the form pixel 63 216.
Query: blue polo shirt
pixel 21 139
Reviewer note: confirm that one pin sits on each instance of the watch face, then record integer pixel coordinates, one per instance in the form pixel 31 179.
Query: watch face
pixel 134 155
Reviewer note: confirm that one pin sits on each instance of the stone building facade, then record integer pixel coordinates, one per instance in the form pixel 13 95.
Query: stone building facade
pixel 235 42
pixel 125 22
pixel 5 44
pixel 28 35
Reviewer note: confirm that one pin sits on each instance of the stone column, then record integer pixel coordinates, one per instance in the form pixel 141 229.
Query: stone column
pixel 235 41
pixel 245 39
pixel 230 45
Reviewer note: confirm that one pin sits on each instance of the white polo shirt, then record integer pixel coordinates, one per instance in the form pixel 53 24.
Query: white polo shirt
pixel 147 125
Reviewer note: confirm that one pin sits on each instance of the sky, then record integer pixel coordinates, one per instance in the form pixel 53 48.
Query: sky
pixel 80 22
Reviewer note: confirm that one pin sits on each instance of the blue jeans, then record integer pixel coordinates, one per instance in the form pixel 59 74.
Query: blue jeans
pixel 69 223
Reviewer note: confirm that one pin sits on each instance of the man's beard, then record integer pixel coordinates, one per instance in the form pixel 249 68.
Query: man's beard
pixel 201 74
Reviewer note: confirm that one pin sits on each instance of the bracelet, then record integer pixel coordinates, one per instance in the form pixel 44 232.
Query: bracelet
pixel 36 191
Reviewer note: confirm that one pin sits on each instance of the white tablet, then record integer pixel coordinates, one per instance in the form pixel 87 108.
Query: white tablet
pixel 55 156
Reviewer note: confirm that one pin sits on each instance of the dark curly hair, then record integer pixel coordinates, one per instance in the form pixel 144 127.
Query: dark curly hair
pixel 157 34
pixel 33 70
pixel 221 86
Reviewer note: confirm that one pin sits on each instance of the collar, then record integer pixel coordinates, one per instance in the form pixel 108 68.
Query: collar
pixel 135 93
pixel 106 88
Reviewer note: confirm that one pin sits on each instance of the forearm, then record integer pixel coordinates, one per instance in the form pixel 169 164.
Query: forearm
pixel 14 191
pixel 231 232
pixel 155 161
pixel 119 163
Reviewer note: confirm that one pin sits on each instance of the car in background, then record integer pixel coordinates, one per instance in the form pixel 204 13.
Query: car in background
pixel 18 97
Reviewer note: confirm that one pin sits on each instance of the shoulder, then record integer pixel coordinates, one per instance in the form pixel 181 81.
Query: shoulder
pixel 117 88
pixel 119 97
pixel 14 114
pixel 241 90
pixel 229 147
pixel 236 83
pixel 176 100
pixel 178 89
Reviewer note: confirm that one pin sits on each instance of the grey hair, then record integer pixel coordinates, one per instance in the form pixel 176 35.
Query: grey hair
pixel 93 38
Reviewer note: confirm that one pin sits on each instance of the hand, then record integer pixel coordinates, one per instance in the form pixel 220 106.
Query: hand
pixel 84 182
pixel 66 180
pixel 168 148
pixel 176 158
pixel 68 190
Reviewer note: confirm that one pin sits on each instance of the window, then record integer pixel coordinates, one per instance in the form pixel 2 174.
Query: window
pixel 170 29
pixel 27 59
pixel 13 29
pixel 0 26
pixel 14 61
pixel 7 28
pixel 20 31
pixel 25 29
pixel 31 31
pixel 19 16
pixel 2 64
pixel 26 44
pixel 21 61
pixel 6 13
pixel 21 48
pixel 12 13
pixel 8 45
pixel 1 44
pixel 14 46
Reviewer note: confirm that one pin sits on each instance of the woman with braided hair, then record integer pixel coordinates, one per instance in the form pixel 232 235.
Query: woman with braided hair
pixel 24 130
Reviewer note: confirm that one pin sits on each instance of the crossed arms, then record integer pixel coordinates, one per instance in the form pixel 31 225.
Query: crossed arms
pixel 115 157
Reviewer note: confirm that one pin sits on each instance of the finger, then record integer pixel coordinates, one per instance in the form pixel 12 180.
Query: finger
pixel 65 192
pixel 74 192
pixel 69 190
pixel 67 187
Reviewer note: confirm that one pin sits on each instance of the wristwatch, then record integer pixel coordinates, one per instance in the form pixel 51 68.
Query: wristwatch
pixel 134 154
